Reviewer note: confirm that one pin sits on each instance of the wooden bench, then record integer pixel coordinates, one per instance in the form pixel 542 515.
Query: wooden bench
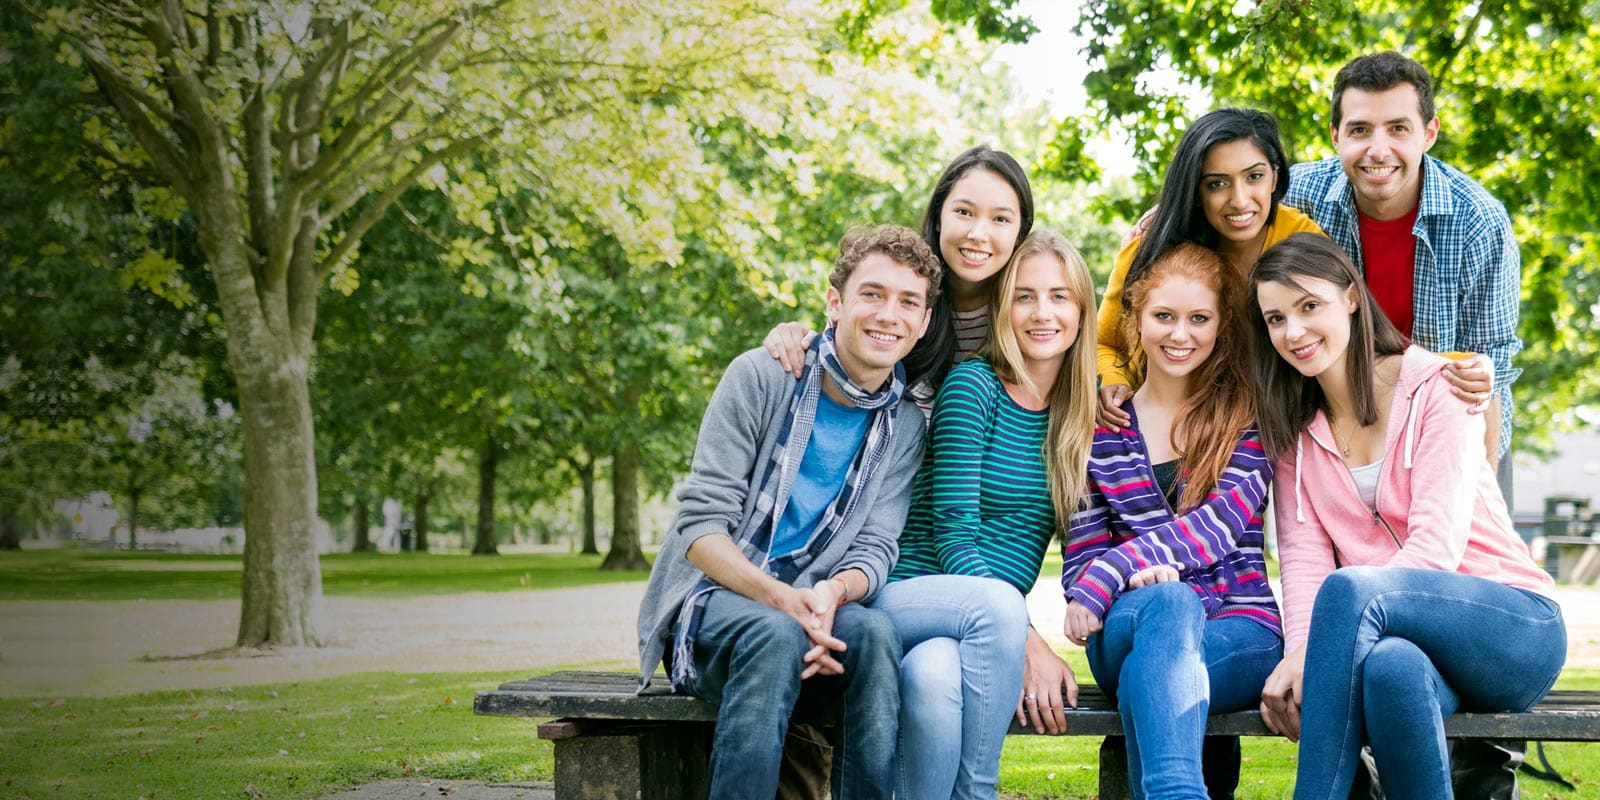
pixel 611 743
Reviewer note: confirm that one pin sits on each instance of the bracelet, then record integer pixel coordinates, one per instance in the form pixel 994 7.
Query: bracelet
pixel 844 594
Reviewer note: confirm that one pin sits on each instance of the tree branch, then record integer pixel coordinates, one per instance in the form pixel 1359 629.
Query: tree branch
pixel 213 36
pixel 1441 70
pixel 370 215
pixel 334 55
pixel 399 74
pixel 166 156
pixel 259 174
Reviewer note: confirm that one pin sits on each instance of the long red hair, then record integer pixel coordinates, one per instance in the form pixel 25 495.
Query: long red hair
pixel 1221 406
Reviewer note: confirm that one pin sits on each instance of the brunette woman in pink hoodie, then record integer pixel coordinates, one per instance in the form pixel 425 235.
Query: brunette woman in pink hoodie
pixel 1406 593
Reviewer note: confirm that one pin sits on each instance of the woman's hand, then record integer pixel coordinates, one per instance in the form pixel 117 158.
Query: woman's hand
pixel 1150 576
pixel 1109 413
pixel 1280 697
pixel 1048 687
pixel 1080 624
pixel 788 343
pixel 1472 380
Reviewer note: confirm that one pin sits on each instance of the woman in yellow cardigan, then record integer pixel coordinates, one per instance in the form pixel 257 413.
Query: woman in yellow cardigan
pixel 1222 191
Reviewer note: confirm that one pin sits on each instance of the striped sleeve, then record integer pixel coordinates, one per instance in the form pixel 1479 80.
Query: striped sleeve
pixel 961 420
pixel 1088 538
pixel 1194 541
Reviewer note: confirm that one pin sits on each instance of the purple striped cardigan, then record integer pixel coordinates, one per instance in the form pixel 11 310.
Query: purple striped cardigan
pixel 1126 525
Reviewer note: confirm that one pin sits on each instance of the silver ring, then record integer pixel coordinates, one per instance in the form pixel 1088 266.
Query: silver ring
pixel 1030 697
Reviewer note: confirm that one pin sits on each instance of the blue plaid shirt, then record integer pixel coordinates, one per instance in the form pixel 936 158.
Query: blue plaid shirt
pixel 1468 269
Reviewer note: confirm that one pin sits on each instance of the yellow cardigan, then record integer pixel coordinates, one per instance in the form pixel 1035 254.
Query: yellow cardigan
pixel 1111 351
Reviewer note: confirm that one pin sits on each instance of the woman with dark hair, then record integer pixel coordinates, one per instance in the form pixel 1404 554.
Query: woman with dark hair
pixel 980 211
pixel 1163 571
pixel 1221 191
pixel 1406 592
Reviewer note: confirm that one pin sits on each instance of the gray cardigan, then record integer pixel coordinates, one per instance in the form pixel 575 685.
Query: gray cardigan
pixel 737 438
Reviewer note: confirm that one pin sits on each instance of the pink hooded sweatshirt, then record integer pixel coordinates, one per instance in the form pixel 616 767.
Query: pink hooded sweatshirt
pixel 1438 504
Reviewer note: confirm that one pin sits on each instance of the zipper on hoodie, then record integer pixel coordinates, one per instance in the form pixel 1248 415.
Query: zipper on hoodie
pixel 1350 483
pixel 1377 519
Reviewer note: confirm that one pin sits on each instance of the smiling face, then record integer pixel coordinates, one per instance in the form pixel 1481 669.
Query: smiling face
pixel 1309 324
pixel 880 313
pixel 1381 138
pixel 1236 184
pixel 1045 316
pixel 978 228
pixel 1178 325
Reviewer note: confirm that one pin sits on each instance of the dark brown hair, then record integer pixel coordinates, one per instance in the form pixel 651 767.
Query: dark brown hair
pixel 1286 400
pixel 1380 72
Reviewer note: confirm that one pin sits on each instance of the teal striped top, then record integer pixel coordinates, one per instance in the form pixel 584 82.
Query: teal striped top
pixel 981 505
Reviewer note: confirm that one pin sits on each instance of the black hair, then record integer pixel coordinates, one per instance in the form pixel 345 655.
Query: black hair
pixel 1179 217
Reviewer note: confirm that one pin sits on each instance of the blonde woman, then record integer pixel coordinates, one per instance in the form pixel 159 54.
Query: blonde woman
pixel 1009 442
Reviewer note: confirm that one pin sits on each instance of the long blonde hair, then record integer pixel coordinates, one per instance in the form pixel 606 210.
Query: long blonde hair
pixel 1072 396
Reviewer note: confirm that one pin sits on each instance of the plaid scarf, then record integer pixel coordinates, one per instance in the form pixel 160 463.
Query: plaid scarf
pixel 776 481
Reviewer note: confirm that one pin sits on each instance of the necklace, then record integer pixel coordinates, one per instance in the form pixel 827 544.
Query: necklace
pixel 1344 446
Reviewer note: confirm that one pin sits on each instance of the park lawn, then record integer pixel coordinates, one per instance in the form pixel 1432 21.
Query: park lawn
pixel 295 740
pixel 70 574
pixel 304 740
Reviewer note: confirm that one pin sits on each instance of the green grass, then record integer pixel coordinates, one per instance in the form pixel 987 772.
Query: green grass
pixel 101 575
pixel 295 740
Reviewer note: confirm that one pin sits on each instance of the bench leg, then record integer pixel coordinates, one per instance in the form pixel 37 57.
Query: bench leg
pixel 1114 769
pixel 647 762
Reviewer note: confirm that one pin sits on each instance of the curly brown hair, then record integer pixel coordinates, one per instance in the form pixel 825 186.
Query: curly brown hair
pixel 899 243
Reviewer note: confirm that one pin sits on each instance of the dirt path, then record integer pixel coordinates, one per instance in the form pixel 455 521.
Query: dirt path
pixel 87 648
pixel 49 648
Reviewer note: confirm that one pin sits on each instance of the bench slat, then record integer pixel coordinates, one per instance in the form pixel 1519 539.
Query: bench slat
pixel 1563 716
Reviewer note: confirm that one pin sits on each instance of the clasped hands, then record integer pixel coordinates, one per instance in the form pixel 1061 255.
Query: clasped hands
pixel 813 608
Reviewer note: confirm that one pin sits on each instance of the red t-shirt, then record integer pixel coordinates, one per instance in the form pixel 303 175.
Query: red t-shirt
pixel 1389 251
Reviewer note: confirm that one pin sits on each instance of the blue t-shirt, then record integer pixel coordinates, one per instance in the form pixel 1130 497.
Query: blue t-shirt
pixel 836 436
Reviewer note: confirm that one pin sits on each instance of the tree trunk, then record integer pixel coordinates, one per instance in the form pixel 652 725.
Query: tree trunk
pixel 362 535
pixel 133 518
pixel 282 576
pixel 488 462
pixel 10 526
pixel 586 473
pixel 626 553
pixel 419 522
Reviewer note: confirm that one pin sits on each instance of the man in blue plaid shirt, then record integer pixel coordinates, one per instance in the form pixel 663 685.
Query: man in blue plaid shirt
pixel 1438 254
pixel 1435 248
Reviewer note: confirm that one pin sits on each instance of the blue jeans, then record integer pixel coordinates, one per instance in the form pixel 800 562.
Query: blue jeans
pixel 964 640
pixel 1168 667
pixel 748 659
pixel 1394 651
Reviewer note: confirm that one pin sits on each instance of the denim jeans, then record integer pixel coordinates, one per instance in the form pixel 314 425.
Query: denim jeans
pixel 1394 651
pixel 1168 667
pixel 964 640
pixel 748 659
